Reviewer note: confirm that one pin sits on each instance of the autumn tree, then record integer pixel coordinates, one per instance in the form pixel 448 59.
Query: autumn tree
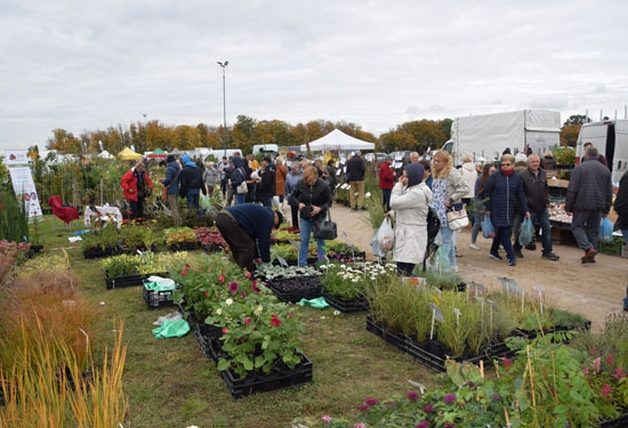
pixel 571 129
pixel 64 142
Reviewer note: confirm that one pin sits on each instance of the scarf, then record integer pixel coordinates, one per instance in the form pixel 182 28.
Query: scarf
pixel 507 173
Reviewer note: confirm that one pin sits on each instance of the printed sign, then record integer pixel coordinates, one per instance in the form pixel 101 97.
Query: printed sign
pixel 24 188
pixel 15 157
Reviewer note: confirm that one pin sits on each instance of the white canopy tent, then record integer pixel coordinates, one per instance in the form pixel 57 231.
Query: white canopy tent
pixel 105 155
pixel 338 140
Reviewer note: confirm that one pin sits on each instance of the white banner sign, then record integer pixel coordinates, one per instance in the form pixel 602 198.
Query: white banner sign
pixel 24 188
pixel 15 157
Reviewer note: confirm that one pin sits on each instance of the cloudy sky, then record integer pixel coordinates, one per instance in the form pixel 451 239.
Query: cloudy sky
pixel 85 65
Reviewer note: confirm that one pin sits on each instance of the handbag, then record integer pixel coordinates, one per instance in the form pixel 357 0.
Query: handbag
pixel 242 188
pixel 457 217
pixel 325 229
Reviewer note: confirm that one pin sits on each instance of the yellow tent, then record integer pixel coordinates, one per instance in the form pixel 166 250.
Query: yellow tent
pixel 128 154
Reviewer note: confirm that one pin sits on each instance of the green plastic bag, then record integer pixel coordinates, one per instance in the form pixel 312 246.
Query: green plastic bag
pixel 171 328
pixel 205 202
pixel 318 303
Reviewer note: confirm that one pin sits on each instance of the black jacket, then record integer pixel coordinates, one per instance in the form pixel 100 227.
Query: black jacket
pixel 355 169
pixel 191 179
pixel 590 188
pixel 535 188
pixel 621 203
pixel 318 195
pixel 266 187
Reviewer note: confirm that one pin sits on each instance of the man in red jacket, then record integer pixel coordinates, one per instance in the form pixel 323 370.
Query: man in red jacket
pixel 137 185
pixel 386 181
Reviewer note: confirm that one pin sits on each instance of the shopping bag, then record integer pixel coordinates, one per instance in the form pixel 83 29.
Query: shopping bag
pixel 526 232
pixel 386 235
pixel 606 230
pixel 488 231
pixel 457 217
pixel 205 202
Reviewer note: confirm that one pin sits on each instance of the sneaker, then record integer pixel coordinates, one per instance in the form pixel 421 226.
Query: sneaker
pixel 495 256
pixel 512 262
pixel 474 246
pixel 518 253
pixel 550 256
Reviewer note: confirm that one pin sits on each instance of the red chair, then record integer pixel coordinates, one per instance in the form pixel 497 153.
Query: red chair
pixel 66 213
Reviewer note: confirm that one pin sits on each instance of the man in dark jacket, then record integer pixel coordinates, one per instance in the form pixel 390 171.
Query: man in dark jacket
pixel 247 228
pixel 535 189
pixel 355 177
pixel 600 157
pixel 191 181
pixel 238 176
pixel 621 206
pixel 171 182
pixel 267 185
pixel 588 198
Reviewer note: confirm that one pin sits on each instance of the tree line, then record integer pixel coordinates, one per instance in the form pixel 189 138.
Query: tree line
pixel 417 135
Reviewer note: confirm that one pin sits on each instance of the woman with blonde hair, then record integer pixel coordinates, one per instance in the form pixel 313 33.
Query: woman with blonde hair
pixel 313 197
pixel 449 187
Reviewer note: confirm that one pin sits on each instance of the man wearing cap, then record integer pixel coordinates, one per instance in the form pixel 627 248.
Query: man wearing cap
pixel 247 229
pixel 386 181
pixel 355 173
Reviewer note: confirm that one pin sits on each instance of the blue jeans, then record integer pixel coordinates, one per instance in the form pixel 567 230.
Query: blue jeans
pixel 502 236
pixel 624 232
pixel 386 198
pixel 193 197
pixel 240 199
pixel 542 218
pixel 306 229
pixel 449 246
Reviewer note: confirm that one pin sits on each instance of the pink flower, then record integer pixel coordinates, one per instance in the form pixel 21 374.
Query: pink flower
pixel 233 287
pixel 423 424
pixel 412 395
pixel 507 362
pixel 254 286
pixel 359 425
pixel 225 330
pixel 606 390
pixel 363 407
pixel 585 371
pixel 610 360
pixel 221 279
pixel 249 276
pixel 326 419
pixel 449 398
pixel 247 321
pixel 275 321
pixel 371 401
pixel 428 408
pixel 619 373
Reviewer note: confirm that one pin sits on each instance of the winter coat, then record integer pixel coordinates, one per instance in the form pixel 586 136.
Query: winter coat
pixel 238 175
pixel 411 208
pixel 590 188
pixel 456 186
pixel 318 195
pixel 173 176
pixel 211 176
pixel 257 221
pixel 355 169
pixel 128 182
pixel 503 192
pixel 470 175
pixel 266 187
pixel 281 171
pixel 535 189
pixel 386 176
pixel 621 203
pixel 191 178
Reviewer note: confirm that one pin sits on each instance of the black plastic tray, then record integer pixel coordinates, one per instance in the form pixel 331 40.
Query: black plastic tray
pixel 618 422
pixel 279 379
pixel 97 252
pixel 311 289
pixel 156 299
pixel 130 281
pixel 184 246
pixel 347 306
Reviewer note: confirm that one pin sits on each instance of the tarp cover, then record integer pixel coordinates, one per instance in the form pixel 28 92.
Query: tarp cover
pixel 338 140
pixel 128 154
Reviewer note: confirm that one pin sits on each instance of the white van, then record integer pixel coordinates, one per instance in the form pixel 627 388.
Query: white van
pixel 610 137
pixel 265 148
pixel 219 153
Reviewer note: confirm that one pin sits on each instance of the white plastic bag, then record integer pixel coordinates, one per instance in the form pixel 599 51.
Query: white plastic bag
pixel 386 235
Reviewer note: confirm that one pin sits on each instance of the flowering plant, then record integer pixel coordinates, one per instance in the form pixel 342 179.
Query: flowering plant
pixel 350 281
pixel 258 333
pixel 210 237
pixel 180 235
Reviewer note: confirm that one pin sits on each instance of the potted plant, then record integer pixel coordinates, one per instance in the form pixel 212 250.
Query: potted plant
pixel 291 283
pixel 210 239
pixel 180 238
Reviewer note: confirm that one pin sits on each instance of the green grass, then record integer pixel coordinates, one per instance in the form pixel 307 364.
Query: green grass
pixel 171 384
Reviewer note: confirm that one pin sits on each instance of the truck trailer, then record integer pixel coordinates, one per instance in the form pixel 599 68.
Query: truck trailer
pixel 485 137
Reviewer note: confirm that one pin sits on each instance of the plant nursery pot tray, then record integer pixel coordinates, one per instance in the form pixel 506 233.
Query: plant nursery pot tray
pixel 618 422
pixel 353 306
pixel 183 246
pixel 97 252
pixel 156 299
pixel 281 377
pixel 129 281
pixel 294 289
pixel 397 340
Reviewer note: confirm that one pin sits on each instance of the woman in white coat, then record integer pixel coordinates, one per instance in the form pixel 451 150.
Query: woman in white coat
pixel 410 200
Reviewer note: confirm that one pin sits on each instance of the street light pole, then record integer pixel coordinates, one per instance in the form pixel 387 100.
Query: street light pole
pixel 224 65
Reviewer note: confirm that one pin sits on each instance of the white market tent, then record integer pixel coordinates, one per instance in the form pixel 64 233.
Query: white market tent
pixel 105 155
pixel 338 140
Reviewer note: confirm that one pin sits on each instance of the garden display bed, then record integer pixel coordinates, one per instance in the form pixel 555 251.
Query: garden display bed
pixel 618 422
pixel 347 306
pixel 281 377
pixel 433 356
pixel 129 281
pixel 294 289
pixel 156 299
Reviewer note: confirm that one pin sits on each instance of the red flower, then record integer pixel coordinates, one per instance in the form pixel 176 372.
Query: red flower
pixel 186 270
pixel 610 360
pixel 428 408
pixel 275 321
pixel 254 286
pixel 221 278
pixel 225 330
pixel 248 274
pixel 619 373
pixel 233 287
pixel 371 401
pixel 363 407
pixel 247 321
pixel 507 362
pixel 606 390
pixel 412 395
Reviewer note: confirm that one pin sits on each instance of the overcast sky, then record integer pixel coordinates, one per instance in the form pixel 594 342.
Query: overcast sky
pixel 85 65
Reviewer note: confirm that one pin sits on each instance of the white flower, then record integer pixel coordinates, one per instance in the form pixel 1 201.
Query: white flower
pixel 258 310
pixel 219 311
pixel 343 266
pixel 229 301
pixel 355 280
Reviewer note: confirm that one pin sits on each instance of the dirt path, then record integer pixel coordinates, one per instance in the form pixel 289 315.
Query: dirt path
pixel 593 290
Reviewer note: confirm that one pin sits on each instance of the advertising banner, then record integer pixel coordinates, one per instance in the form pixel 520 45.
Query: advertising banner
pixel 24 188
pixel 15 157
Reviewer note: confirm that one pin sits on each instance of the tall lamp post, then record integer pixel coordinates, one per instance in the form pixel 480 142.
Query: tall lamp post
pixel 224 65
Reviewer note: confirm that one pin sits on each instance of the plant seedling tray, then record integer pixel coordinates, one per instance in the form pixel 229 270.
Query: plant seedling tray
pixel 184 246
pixel 618 422
pixel 281 377
pixel 354 306
pixel 156 299
pixel 129 281
pixel 294 289
pixel 397 340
